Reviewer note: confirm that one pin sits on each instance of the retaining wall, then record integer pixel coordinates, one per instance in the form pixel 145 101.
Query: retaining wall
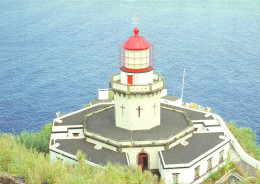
pixel 240 151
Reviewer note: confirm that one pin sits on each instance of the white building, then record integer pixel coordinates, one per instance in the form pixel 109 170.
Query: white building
pixel 141 126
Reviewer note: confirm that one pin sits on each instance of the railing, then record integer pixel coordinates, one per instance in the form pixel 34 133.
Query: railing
pixel 157 85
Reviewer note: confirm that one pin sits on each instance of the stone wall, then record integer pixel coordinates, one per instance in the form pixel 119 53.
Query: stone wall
pixel 11 179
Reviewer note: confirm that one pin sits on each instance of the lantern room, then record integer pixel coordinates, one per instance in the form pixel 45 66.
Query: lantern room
pixel 137 54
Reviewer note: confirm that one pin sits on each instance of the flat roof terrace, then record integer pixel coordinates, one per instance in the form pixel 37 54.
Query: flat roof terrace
pixel 103 123
pixel 194 115
pixel 198 144
pixel 78 117
pixel 101 156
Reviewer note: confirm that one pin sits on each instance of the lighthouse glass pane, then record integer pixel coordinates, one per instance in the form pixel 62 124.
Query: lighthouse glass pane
pixel 136 59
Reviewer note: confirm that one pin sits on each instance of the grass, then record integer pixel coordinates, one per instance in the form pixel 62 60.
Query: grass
pixel 36 140
pixel 36 167
pixel 247 139
pixel 229 165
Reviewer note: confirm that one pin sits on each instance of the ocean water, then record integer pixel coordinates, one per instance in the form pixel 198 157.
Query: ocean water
pixel 55 55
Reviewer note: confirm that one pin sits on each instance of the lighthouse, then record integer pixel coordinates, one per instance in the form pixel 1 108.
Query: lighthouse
pixel 141 125
pixel 137 88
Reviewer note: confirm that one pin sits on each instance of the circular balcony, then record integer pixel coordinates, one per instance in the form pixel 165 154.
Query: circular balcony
pixel 117 86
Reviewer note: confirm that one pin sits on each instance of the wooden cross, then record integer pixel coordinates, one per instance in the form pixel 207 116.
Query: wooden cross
pixel 139 111
pixel 154 108
pixel 122 107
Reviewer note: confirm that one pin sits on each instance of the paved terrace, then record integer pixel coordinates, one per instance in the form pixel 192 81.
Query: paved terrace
pixel 198 144
pixel 78 118
pixel 194 115
pixel 103 123
pixel 101 156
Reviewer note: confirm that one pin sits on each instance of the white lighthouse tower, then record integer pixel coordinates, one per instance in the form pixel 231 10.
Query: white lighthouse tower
pixel 137 89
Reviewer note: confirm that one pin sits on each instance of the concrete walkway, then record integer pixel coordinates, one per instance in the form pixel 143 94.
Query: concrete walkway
pixel 237 160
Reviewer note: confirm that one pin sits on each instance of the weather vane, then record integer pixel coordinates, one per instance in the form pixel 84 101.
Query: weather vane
pixel 135 21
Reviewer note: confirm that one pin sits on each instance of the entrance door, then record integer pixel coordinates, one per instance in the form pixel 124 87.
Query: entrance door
pixel 143 161
pixel 129 79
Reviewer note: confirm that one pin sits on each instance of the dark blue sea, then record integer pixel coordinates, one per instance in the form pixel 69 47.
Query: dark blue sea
pixel 55 55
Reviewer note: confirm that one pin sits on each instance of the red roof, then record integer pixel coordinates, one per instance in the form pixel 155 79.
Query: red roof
pixel 136 42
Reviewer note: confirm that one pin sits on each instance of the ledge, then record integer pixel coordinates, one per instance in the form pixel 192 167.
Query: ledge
pixel 117 86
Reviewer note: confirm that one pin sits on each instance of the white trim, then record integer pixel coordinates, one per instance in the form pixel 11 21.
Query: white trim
pixel 56 129
pixel 127 158
pixel 161 157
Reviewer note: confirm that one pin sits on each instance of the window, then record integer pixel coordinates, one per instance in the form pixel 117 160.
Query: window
pixel 175 178
pixel 59 159
pixel 197 173
pixel 221 156
pixel 209 167
pixel 75 134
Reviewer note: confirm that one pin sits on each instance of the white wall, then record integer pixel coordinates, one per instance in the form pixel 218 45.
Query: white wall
pixel 138 78
pixel 177 102
pixel 186 175
pixel 102 94
pixel 152 152
pixel 130 119
pixel 243 155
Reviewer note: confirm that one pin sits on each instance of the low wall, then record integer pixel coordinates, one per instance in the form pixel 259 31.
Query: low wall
pixel 240 151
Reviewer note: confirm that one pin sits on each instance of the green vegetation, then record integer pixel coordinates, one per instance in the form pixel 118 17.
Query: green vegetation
pixel 25 155
pixel 110 95
pixel 85 106
pixel 36 140
pixel 246 138
pixel 229 165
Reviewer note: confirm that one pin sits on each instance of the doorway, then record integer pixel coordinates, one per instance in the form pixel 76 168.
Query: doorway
pixel 143 161
pixel 130 79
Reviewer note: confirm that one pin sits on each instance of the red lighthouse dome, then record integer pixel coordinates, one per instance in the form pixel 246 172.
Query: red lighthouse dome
pixel 137 54
pixel 136 42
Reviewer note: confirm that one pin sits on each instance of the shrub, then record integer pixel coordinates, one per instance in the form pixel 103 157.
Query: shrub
pixel 246 138
pixel 36 140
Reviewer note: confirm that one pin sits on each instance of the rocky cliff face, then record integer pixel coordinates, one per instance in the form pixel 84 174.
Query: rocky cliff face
pixel 11 179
